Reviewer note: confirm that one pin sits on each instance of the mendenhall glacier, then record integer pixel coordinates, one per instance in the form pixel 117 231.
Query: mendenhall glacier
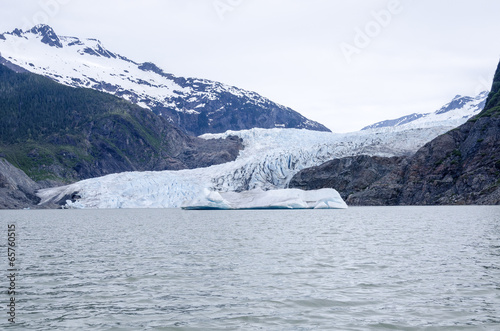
pixel 279 143
pixel 270 159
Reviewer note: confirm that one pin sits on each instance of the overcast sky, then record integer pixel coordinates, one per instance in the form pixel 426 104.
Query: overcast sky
pixel 343 63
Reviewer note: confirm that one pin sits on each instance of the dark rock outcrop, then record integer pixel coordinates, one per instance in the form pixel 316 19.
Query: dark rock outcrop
pixel 17 190
pixel 347 175
pixel 49 37
pixel 461 166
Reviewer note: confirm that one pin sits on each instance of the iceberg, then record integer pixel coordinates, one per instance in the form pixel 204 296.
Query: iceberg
pixel 207 200
pixel 325 198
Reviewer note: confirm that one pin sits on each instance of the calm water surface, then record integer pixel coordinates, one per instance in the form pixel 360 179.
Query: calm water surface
pixel 366 268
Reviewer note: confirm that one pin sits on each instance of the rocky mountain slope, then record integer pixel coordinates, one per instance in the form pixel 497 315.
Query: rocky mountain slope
pixel 17 190
pixel 461 166
pixel 196 105
pixel 52 131
pixel 351 174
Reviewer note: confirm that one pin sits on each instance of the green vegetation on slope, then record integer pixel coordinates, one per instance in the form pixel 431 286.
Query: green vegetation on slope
pixel 52 131
pixel 492 107
pixel 33 107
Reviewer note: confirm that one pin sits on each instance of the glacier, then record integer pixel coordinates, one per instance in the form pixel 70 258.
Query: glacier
pixel 270 159
pixel 271 156
pixel 325 198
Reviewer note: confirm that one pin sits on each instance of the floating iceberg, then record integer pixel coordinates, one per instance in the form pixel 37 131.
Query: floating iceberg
pixel 326 198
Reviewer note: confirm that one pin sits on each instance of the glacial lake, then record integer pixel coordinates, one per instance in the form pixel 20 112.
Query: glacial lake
pixel 363 268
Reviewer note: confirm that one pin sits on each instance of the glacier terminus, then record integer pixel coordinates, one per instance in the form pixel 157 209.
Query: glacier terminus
pixel 268 162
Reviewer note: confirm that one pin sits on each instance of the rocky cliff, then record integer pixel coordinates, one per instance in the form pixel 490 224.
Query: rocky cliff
pixel 347 175
pixel 17 190
pixel 461 166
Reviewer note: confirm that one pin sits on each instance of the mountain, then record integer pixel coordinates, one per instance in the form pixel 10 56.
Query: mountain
pixel 198 106
pixel 454 113
pixel 52 131
pixel 461 166
pixel 268 161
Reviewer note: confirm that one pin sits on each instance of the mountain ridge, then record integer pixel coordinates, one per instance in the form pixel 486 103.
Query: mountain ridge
pixel 198 106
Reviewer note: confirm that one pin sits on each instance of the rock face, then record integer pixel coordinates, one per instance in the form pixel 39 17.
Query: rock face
pixel 461 166
pixel 352 174
pixel 17 190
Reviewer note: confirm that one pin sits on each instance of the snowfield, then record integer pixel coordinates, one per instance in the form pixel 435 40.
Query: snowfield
pixel 270 159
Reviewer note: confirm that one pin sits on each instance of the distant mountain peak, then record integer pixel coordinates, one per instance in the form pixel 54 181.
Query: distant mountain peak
pixel 460 101
pixel 16 32
pixel 48 35
pixel 42 29
pixel 454 113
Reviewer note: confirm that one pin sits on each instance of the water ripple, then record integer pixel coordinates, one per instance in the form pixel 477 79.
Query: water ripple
pixel 383 268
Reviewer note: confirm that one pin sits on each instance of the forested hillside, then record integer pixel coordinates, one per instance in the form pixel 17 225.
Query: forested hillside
pixel 52 131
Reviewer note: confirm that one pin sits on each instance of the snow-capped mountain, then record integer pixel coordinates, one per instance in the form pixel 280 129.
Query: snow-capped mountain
pixel 454 113
pixel 196 105
pixel 270 159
